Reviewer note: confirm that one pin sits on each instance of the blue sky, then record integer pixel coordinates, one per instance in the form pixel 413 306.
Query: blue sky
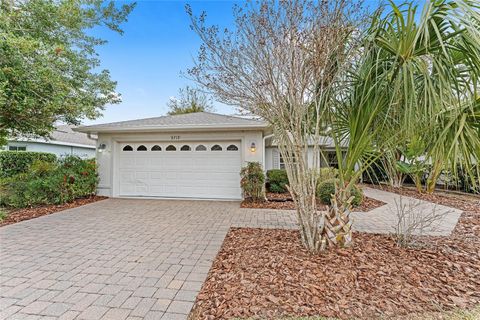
pixel 147 60
pixel 157 45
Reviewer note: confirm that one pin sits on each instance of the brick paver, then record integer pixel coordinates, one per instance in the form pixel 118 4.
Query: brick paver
pixel 126 258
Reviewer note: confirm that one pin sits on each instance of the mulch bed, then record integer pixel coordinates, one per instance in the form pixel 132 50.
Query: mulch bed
pixel 31 213
pixel 267 274
pixel 283 201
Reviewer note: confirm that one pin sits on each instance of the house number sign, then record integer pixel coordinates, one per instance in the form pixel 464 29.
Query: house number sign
pixel 174 137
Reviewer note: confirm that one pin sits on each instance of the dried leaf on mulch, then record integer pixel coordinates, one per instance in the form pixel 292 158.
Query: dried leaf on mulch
pixel 268 274
pixel 283 201
pixel 31 213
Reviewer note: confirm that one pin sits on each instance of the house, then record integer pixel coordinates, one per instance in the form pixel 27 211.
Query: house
pixel 195 155
pixel 63 141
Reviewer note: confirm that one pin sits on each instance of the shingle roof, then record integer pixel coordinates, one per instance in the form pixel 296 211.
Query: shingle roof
pixel 197 120
pixel 62 135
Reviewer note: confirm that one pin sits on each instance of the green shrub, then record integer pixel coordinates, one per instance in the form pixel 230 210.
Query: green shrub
pixel 45 183
pixel 3 215
pixel 326 188
pixel 277 180
pixel 327 173
pixel 15 162
pixel 253 181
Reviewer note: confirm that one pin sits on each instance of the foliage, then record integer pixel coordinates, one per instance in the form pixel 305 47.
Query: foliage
pixel 253 181
pixel 46 183
pixel 426 69
pixel 326 189
pixel 277 180
pixel 49 70
pixel 282 61
pixel 413 165
pixel 3 215
pixel 189 100
pixel 15 162
pixel 327 173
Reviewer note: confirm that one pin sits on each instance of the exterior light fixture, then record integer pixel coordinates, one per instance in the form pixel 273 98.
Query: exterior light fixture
pixel 253 147
pixel 102 147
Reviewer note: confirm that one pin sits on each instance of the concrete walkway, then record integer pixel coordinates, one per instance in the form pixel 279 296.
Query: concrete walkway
pixel 130 259
pixel 383 219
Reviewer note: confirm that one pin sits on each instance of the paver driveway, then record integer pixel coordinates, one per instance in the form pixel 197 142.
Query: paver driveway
pixel 126 258
pixel 117 258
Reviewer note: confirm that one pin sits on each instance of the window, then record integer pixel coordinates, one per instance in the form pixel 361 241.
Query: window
pixel 201 147
pixel 216 148
pixel 332 159
pixel 156 148
pixel 185 148
pixel 281 162
pixel 17 148
pixel 127 148
pixel 232 147
pixel 171 148
pixel 142 148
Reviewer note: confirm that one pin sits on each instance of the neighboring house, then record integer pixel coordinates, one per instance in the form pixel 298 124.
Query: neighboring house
pixel 195 155
pixel 63 141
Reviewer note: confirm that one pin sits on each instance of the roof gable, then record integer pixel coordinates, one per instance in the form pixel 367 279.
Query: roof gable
pixel 195 120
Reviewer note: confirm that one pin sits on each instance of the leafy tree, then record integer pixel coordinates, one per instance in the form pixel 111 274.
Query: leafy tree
pixel 48 64
pixel 189 100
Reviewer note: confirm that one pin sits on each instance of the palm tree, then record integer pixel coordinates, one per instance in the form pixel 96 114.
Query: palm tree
pixel 415 81
pixel 426 72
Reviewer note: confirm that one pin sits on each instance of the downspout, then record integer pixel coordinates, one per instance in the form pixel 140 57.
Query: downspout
pixel 263 150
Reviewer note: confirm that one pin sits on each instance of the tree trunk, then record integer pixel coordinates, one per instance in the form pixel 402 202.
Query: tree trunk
pixel 338 223
pixel 433 177
pixel 311 227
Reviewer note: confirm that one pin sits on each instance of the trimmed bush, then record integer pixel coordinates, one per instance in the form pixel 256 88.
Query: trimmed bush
pixel 327 173
pixel 46 183
pixel 277 180
pixel 15 162
pixel 326 188
pixel 253 181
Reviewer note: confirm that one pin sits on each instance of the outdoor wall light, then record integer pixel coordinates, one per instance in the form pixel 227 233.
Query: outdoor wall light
pixel 253 147
pixel 102 147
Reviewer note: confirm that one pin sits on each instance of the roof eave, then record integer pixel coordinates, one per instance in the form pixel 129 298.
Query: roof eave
pixel 94 129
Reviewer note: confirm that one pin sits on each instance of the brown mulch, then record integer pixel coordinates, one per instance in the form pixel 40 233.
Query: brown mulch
pixel 35 212
pixel 283 201
pixel 267 274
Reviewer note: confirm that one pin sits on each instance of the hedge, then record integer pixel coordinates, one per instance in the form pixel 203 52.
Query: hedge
pixel 15 162
pixel 277 180
pixel 50 183
pixel 325 190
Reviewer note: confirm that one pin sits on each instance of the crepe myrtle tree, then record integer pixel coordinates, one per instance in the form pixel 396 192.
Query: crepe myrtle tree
pixel 282 62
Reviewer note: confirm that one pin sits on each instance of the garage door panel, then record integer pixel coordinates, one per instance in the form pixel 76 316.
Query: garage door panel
pixel 195 174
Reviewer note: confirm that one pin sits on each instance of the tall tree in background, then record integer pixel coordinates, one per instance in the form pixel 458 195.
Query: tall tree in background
pixel 283 62
pixel 189 100
pixel 48 63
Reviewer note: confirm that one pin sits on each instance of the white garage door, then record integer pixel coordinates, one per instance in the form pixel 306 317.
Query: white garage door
pixel 184 169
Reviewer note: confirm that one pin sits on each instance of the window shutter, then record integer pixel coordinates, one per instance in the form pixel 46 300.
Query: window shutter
pixel 276 159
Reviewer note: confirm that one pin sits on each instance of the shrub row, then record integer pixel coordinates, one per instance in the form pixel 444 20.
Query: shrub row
pixel 15 162
pixel 46 182
pixel 327 177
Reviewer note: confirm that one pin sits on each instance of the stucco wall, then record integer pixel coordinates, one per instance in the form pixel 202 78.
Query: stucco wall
pixel 59 150
pixel 106 159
